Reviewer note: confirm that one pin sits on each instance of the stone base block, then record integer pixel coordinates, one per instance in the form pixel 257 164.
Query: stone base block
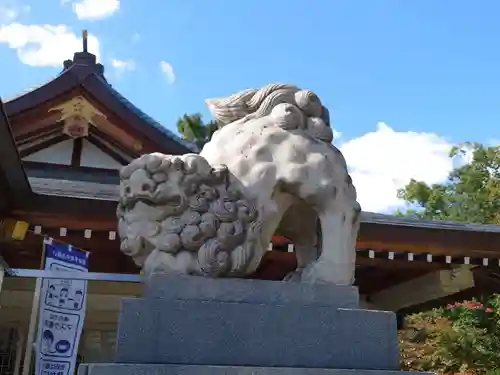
pixel 229 322
pixel 250 291
pixel 124 369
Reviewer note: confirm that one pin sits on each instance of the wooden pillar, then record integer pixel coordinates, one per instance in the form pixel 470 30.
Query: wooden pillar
pixel 30 338
pixel 19 350
pixel 32 329
pixel 2 274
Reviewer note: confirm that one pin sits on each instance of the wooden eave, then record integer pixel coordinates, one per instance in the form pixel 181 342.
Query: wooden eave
pixel 60 85
pixel 390 233
pixel 87 79
pixel 380 237
pixel 394 233
pixel 13 180
pixel 371 275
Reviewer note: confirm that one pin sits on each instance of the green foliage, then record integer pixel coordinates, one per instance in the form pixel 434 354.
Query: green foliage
pixel 471 194
pixel 462 338
pixel 419 342
pixel 473 343
pixel 192 128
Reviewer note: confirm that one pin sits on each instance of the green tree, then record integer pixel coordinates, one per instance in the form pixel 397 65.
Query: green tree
pixel 470 195
pixel 192 128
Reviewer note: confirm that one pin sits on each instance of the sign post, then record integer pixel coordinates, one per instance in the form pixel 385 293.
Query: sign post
pixel 62 311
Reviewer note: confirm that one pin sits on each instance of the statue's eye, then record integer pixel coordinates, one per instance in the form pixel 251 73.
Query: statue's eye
pixel 145 187
pixel 127 189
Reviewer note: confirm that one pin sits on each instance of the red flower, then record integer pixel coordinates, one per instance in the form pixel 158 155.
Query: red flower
pixel 470 305
pixel 488 310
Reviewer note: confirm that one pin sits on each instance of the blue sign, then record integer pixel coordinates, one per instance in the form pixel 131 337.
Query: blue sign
pixel 62 311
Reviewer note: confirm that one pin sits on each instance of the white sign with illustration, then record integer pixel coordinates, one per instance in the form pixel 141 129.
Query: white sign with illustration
pixel 62 311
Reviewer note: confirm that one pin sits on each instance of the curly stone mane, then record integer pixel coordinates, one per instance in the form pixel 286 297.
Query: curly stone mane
pixel 303 107
pixel 192 214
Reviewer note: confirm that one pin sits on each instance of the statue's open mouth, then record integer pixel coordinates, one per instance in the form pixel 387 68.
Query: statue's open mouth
pixel 130 202
pixel 153 201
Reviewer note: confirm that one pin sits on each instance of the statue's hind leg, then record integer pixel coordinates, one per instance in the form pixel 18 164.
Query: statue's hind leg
pixel 299 224
pixel 339 219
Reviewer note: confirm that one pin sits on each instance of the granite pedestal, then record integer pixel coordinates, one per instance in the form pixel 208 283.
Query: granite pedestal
pixel 192 325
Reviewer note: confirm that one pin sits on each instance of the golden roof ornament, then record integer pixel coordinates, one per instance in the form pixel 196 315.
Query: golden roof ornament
pixel 77 113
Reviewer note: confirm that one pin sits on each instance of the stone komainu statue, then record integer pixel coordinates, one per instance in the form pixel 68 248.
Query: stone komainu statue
pixel 271 165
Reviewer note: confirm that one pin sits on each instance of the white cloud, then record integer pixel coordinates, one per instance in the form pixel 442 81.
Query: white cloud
pixel 167 69
pixel 94 9
pixel 385 160
pixel 123 66
pixel 44 45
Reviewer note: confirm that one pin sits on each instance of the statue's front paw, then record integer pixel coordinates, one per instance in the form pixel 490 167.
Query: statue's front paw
pixel 325 272
pixel 294 276
pixel 162 262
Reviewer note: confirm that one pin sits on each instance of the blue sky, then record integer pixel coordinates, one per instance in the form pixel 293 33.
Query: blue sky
pixel 428 71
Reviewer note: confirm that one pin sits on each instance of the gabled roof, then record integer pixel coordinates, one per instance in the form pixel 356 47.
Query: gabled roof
pixel 16 192
pixel 83 71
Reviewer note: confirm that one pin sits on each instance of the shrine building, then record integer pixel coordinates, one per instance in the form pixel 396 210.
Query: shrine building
pixel 61 147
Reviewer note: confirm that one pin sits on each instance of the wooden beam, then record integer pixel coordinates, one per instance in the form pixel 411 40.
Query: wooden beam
pixel 483 286
pixel 101 146
pixel 39 121
pixel 425 240
pixel 43 145
pixel 68 172
pixel 97 221
pixel 432 286
pixel 105 138
pixel 29 137
pixel 78 211
pixel 76 155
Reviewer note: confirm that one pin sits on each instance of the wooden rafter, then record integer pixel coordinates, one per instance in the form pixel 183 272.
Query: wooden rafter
pixel 57 138
pixel 76 155
pixel 37 134
pixel 108 149
pixel 68 172
pixel 113 143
